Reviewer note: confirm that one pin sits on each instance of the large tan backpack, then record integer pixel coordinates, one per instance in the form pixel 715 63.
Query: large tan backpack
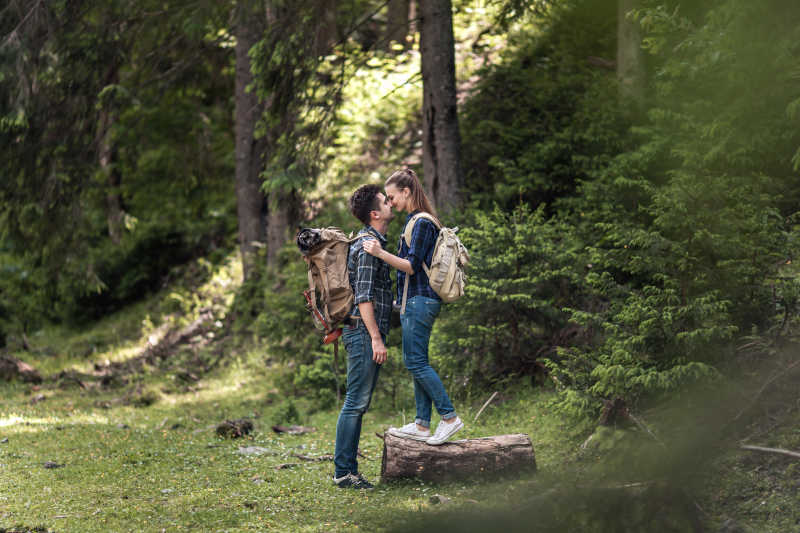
pixel 329 296
pixel 450 258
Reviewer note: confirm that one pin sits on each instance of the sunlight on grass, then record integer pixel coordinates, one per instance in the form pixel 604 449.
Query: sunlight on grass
pixel 162 466
pixel 80 418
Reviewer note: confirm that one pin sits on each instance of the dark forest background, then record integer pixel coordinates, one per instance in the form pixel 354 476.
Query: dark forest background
pixel 625 173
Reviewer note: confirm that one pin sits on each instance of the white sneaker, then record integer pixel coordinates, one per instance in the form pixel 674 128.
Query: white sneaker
pixel 410 431
pixel 444 431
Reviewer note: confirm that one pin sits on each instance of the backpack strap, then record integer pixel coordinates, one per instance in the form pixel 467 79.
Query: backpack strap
pixel 407 238
pixel 312 300
pixel 410 226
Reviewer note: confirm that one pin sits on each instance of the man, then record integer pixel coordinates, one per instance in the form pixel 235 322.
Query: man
pixel 365 336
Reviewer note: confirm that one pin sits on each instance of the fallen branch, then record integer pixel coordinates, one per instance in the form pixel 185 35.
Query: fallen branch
pixel 484 406
pixel 780 451
pixel 162 347
pixel 317 459
pixel 620 486
pixel 645 429
pixel 293 430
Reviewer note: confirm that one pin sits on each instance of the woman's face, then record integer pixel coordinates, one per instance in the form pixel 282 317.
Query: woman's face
pixel 398 198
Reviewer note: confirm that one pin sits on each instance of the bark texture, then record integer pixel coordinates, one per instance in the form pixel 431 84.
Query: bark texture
pixel 441 152
pixel 630 59
pixel 397 23
pixel 326 33
pixel 403 458
pixel 283 215
pixel 106 155
pixel 250 201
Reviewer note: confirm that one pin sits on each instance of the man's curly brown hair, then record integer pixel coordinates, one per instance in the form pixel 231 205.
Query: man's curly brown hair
pixel 363 201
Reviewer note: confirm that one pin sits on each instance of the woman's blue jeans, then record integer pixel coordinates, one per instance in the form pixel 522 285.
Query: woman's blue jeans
pixel 362 375
pixel 417 323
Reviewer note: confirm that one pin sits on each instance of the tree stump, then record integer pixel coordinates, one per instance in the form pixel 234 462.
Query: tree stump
pixel 13 368
pixel 233 429
pixel 461 458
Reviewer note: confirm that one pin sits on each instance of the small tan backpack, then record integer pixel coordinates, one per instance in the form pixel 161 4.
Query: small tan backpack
pixel 450 258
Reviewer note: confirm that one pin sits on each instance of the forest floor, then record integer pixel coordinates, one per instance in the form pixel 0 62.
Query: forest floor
pixel 145 457
pixel 121 437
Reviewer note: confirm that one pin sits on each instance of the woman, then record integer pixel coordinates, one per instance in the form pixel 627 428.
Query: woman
pixel 404 193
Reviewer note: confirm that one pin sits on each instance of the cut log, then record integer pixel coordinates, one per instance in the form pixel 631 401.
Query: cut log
pixel 403 458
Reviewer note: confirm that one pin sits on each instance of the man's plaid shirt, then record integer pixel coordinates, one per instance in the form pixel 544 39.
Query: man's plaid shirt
pixel 370 280
pixel 423 239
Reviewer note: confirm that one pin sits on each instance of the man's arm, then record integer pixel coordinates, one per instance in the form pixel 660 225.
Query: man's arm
pixel 367 312
pixel 364 294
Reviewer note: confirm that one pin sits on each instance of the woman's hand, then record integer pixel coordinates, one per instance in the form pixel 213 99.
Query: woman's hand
pixel 373 247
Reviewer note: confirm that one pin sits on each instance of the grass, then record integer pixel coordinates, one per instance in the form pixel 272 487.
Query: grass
pixel 141 454
pixel 157 465
pixel 162 467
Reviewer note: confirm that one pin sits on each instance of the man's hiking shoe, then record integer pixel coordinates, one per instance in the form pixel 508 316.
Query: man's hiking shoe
pixel 444 431
pixel 351 481
pixel 410 431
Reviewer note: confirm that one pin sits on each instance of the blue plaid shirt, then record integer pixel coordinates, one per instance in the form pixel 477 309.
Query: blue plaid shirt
pixel 370 279
pixel 423 238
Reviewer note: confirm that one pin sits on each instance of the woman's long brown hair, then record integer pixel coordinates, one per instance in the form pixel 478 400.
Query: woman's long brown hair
pixel 407 178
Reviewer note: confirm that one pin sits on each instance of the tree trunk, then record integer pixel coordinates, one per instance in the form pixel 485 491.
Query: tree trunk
pixel 283 203
pixel 441 152
pixel 250 201
pixel 411 458
pixel 326 34
pixel 630 59
pixel 105 151
pixel 115 213
pixel 397 23
pixel 282 217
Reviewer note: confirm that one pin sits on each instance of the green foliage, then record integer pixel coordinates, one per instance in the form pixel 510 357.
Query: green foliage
pixel 544 117
pixel 22 295
pixel 286 413
pixel 278 311
pixel 270 307
pixel 688 230
pixel 524 269
pixel 105 76
pixel 377 125
pixel 670 242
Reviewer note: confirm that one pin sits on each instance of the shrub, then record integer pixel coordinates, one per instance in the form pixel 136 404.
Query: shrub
pixel 524 269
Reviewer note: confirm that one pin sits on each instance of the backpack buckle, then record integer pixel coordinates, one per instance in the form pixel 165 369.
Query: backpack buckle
pixel 332 336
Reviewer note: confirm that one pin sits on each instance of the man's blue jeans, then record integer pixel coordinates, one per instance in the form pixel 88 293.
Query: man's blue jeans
pixel 417 323
pixel 362 375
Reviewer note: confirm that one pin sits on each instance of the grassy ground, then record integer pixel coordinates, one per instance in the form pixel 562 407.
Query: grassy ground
pixel 161 467
pixel 140 453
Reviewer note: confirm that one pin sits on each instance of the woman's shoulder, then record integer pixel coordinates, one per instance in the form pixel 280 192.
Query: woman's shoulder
pixel 426 220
